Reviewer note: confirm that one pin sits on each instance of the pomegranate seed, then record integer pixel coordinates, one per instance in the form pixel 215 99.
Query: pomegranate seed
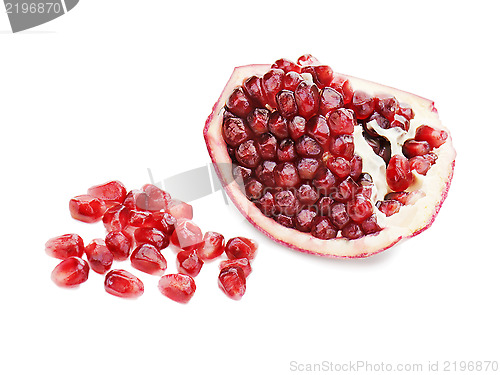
pixel 99 256
pixel 381 121
pixel 253 87
pixel 119 244
pixel 243 263
pixel 398 174
pixel 420 165
pixel 116 218
pixel 151 236
pixel 235 131
pixel 111 193
pixel 187 235
pixel 65 246
pixel 70 272
pixel 156 198
pixel 286 65
pixel 272 83
pixel 322 228
pixel 330 100
pixel 434 137
pixel 87 208
pixel 265 173
pixel 241 247
pixel 339 215
pixel 343 145
pixel 163 221
pixel 307 195
pixel 139 218
pixel 400 122
pixel 356 167
pixel 286 203
pixel 258 120
pixel 286 221
pixel 266 204
pixel 365 179
pixel 278 125
pixel 189 263
pixel 135 200
pixel 212 246
pixel 286 150
pixel 322 75
pixel 339 166
pixel 359 208
pixel 401 196
pixel 324 181
pixel 286 175
pixel 291 80
pixel 297 127
pixel 254 189
pixel 341 121
pixel 363 104
pixel 365 190
pixel 317 127
pixel 324 206
pixel 387 106
pixel 304 219
pixel 239 103
pixel 307 168
pixel 308 147
pixel 178 287
pixel 307 59
pixel 247 154
pixel 432 157
pixel 352 231
pixel 123 284
pixel 370 226
pixel 287 106
pixel 413 148
pixel 241 173
pixel 147 258
pixel 345 190
pixel 180 210
pixel 267 146
pixel 406 111
pixel 389 207
pixel 232 282
pixel 307 98
pixel 343 86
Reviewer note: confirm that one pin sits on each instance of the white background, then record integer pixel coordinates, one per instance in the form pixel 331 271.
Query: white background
pixel 116 87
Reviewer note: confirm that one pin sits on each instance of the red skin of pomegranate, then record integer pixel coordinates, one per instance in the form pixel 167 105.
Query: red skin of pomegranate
pixel 65 246
pixel 70 272
pixel 232 282
pixel 178 287
pixel 99 256
pixel 148 259
pixel 87 208
pixel 241 247
pixel 112 192
pixel 123 284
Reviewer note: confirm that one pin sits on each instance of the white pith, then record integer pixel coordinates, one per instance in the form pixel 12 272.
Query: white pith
pixel 407 222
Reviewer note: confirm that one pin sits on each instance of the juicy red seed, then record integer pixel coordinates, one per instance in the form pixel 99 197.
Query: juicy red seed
pixel 116 218
pixel 138 218
pixel 266 204
pixel 99 256
pixel 308 147
pixel 322 228
pixel 286 203
pixel 307 195
pixel 365 190
pixel 238 103
pixel 254 189
pixel 317 127
pixel 307 168
pixel 343 145
pixel 434 137
pixel 307 59
pixel 265 173
pixel 180 210
pixel 212 246
pixel 65 246
pixel 286 150
pixel 324 206
pixel 253 87
pixel 352 231
pixel 70 272
pixel 304 220
pixel 413 148
pixel 322 74
pixel 291 81
pixel 346 190
pixel 297 127
pixel 365 179
pixel 420 165
pixel 187 235
pixel 356 167
pixel 247 154
pixel 324 181
pixel 163 221
pixel 243 263
pixel 401 196
pixel 151 236
pixel 432 157
pixel 341 121
pixel 343 86
pixel 272 83
pixel 119 244
pixel 381 121
pixel 339 166
pixel 287 106
pixel 370 225
pixel 258 120
pixel 178 287
pixel 363 104
pixel 359 208
pixel 147 258
pixel 241 247
pixel 389 207
pixel 241 173
pixel 398 174
pixel 307 98
pixel 330 100
pixel 286 221
pixel 156 198
pixel 232 282
pixel 111 193
pixel 286 175
pixel 286 65
pixel 87 208
pixel 339 215
pixel 406 111
pixel 400 122
pixel 135 199
pixel 189 263
pixel 235 131
pixel 123 284
pixel 387 106
pixel 278 125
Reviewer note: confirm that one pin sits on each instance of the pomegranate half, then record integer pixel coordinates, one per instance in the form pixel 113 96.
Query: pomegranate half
pixel 326 163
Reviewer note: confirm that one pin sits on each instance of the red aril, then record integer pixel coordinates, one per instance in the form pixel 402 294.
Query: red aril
pixel 151 236
pixel 434 137
pixel 187 235
pixel 70 272
pixel 178 287
pixel 211 247
pixel 189 263
pixel 116 218
pixel 241 247
pixel 99 256
pixel 147 258
pixel 243 263
pixel 87 208
pixel 399 175
pixel 180 210
pixel 119 244
pixel 123 284
pixel 65 246
pixel 112 192
pixel 232 282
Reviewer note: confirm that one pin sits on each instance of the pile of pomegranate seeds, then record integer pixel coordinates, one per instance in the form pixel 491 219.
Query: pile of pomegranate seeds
pixel 289 134
pixel 140 225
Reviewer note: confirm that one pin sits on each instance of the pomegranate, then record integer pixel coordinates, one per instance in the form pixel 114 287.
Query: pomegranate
pixel 123 284
pixel 309 155
pixel 147 258
pixel 71 272
pixel 232 282
pixel 178 287
pixel 99 256
pixel 65 246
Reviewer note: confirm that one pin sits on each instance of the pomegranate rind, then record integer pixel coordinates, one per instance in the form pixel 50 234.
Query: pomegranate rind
pixel 417 217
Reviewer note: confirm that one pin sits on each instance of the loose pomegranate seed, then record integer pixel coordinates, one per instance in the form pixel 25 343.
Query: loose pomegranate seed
pixel 286 65
pixel 189 263
pixel 307 98
pixel 345 190
pixel 292 80
pixel 363 104
pixel 135 200
pixel 308 147
pixel 434 137
pixel 307 195
pixel 99 256
pixel 111 192
pixel 343 145
pixel 304 219
pixel 147 258
pixel 258 120
pixel 370 226
pixel 356 167
pixel 180 210
pixel 286 150
pixel 247 154
pixel 341 121
pixel 243 263
pixel 178 287
pixel 286 175
pixel 387 106
pixel 324 181
pixel 339 215
pixel 212 246
pixel 359 208
pixel 352 231
pixel 119 244
pixel 389 207
pixel 286 203
pixel 343 86
pixel 307 168
pixel 278 125
pixel 398 174
pixel 420 165
pixel 254 189
pixel 287 106
pixel 70 272
pixel 116 218
pixel 286 221
pixel 138 218
pixel 235 131
pixel 151 236
pixel 65 246
pixel 163 221
pixel 400 122
pixel 123 284
pixel 297 127
pixel 322 228
pixel 156 198
pixel 253 87
pixel 87 208
pixel 266 204
pixel 272 83
pixel 232 282
pixel 267 146
pixel 187 235
pixel 265 173
pixel 241 247
pixel 317 127
pixel 339 166
pixel 307 59
pixel 239 103
pixel 406 111
pixel 413 148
